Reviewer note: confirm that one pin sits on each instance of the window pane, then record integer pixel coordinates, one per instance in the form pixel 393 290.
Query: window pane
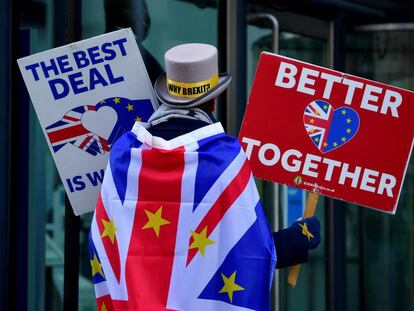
pixel 386 242
pixel 46 195
pixel 174 22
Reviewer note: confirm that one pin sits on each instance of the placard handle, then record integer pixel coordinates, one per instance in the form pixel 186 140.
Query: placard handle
pixel 309 212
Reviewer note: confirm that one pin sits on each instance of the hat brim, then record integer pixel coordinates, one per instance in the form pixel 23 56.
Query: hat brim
pixel 166 98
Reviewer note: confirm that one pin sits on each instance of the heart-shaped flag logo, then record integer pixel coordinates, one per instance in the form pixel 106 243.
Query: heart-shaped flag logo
pixel 94 128
pixel 330 128
pixel 100 122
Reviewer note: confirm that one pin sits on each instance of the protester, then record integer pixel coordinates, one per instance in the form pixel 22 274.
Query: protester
pixel 188 231
pixel 180 114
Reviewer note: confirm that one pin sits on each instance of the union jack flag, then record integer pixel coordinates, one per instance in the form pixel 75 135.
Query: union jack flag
pixel 317 119
pixel 71 130
pixel 179 226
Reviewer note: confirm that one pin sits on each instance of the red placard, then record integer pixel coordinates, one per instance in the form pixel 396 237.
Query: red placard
pixel 326 131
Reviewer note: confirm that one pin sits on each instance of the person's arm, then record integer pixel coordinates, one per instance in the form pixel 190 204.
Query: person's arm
pixel 293 244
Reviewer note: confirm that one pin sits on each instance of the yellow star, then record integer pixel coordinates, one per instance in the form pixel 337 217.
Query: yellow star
pixel 343 139
pixel 96 266
pixel 200 241
pixel 130 107
pixel 348 120
pixel 110 230
pixel 348 130
pixel 103 307
pixel 325 107
pixel 155 221
pixel 317 113
pixel 230 285
pixel 312 121
pixel 305 231
pixel 335 144
pixel 316 139
pixel 117 100
pixel 343 111
pixel 138 119
pixel 311 131
pixel 325 144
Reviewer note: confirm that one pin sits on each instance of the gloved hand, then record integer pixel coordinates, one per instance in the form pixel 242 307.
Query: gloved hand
pixel 310 228
pixel 293 243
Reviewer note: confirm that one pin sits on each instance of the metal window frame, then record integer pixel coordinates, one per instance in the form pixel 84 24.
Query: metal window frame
pixel 73 32
pixel 6 55
pixel 70 30
pixel 14 159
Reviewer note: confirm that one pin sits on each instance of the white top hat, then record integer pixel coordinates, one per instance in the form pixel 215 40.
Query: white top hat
pixel 191 77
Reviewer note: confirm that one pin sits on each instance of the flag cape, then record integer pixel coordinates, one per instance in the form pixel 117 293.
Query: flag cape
pixel 179 226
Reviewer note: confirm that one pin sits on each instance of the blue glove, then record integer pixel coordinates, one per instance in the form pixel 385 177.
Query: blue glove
pixel 293 243
pixel 310 228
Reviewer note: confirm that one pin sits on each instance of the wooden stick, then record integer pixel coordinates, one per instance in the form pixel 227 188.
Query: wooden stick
pixel 309 212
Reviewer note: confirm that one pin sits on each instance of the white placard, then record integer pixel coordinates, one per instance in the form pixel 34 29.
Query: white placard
pixel 86 95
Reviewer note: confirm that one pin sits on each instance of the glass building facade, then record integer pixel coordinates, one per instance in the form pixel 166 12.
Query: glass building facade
pixel 365 260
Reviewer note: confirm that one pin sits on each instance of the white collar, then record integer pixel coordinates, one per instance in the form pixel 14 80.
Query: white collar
pixel 140 130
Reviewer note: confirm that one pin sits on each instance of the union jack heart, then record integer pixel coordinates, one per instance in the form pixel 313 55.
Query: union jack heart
pixel 94 128
pixel 330 128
